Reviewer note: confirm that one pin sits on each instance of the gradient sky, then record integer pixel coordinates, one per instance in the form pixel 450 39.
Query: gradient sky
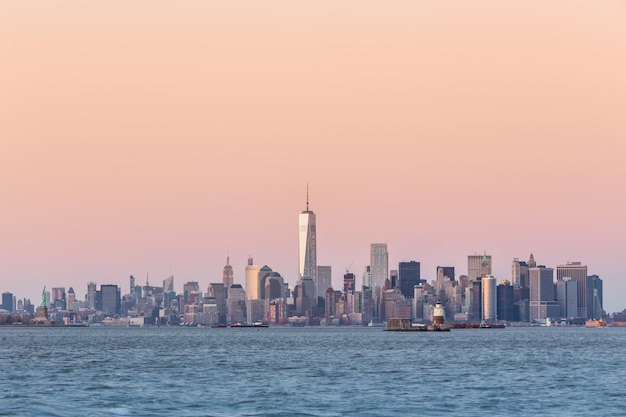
pixel 157 136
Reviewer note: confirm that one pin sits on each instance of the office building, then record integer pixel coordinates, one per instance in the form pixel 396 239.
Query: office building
pixel 110 299
pixel 307 261
pixel 519 273
pixel 408 277
pixel 379 264
pixel 489 298
pixel 236 304
pixel 7 302
pixel 227 274
pixel 578 273
pixel 504 304
pixel 567 297
pixel 478 266
pixel 253 290
pixel 542 300
pixel 324 279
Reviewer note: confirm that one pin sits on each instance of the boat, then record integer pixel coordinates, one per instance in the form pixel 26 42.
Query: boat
pixel 618 323
pixel 241 325
pixel 595 323
pixel 260 324
pixel 218 325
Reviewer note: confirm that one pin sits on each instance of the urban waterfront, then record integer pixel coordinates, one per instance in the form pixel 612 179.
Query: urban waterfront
pixel 311 371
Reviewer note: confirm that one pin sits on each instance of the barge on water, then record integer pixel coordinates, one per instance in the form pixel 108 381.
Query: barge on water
pixel 405 325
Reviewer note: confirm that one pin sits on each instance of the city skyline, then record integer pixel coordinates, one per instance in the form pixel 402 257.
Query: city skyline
pixel 185 133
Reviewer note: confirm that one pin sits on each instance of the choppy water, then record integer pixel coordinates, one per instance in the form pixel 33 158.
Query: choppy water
pixel 311 372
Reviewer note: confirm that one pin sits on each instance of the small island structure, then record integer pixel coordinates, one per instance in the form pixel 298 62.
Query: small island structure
pixel 405 325
pixel 42 319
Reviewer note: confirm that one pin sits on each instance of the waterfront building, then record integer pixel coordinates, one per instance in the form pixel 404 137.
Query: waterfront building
pixel 367 304
pixel 578 273
pixel 236 304
pixel 519 273
pixel 253 290
pixel 489 298
pixel 7 302
pixel 478 266
pixel 567 297
pixel 504 304
pixel 542 303
pixel 324 279
pixel 379 264
pixel 218 293
pixel 227 274
pixel 91 295
pixel 329 302
pixel 109 298
pixel 476 301
pixel 71 300
pixel 307 260
pixel 408 277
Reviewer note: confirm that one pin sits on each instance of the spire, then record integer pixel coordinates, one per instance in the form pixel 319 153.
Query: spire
pixel 307 197
pixel 227 260
pixel 485 260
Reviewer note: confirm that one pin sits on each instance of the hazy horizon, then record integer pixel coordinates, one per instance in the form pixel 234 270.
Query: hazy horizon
pixel 159 137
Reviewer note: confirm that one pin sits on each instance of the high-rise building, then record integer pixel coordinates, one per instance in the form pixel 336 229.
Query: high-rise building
pixel 307 262
pixel 168 284
pixel 58 300
pixel 445 274
pixel 91 295
pixel 236 304
pixel 408 277
pixel 110 299
pixel 504 305
pixel 578 273
pixel 253 289
pixel 368 277
pixel 567 297
pixel 189 288
pixel 379 264
pixel 227 275
pixel 598 311
pixel 542 302
pixel 324 279
pixel 478 266
pixel 489 298
pixel 519 273
pixel 7 301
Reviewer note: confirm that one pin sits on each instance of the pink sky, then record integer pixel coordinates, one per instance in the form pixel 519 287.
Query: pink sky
pixel 156 136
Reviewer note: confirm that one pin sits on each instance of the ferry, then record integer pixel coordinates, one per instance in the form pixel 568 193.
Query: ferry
pixel 595 323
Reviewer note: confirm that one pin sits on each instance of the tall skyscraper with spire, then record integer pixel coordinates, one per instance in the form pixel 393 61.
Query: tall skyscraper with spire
pixel 227 275
pixel 307 263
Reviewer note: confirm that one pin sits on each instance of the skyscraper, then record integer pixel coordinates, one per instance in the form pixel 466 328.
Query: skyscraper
pixel 542 303
pixel 519 273
pixel 478 266
pixel 227 275
pixel 379 264
pixel 489 298
pixel 408 277
pixel 252 280
pixel 578 272
pixel 307 262
pixel 324 279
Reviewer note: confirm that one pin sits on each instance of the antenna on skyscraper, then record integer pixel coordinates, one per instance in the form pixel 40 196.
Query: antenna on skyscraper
pixel 307 197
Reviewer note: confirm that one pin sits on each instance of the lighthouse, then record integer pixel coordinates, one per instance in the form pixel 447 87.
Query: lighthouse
pixel 439 313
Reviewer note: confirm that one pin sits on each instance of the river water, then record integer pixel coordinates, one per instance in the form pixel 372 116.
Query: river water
pixel 311 372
